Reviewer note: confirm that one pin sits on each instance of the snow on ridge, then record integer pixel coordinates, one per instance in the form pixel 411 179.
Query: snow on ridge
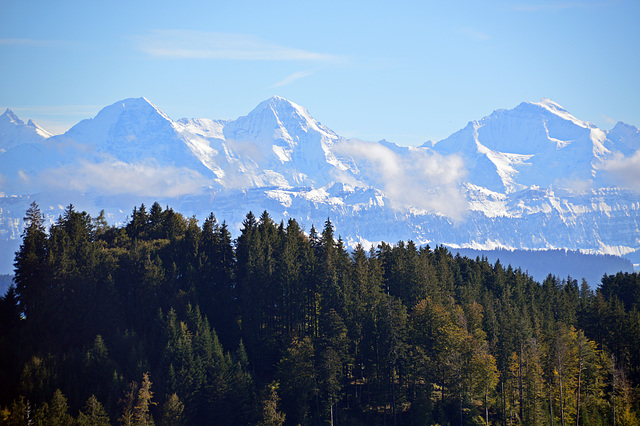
pixel 138 110
pixel 293 163
pixel 558 110
pixel 39 130
pixel 11 117
pixel 14 132
pixel 282 196
pixel 205 127
pixel 598 138
pixel 158 110
pixel 279 105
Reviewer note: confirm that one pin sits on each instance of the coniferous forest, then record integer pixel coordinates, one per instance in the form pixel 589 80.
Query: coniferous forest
pixel 168 321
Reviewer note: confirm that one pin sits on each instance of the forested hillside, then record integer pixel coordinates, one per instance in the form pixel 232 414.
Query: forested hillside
pixel 169 321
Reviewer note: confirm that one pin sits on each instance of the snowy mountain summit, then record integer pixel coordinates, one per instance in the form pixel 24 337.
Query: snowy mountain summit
pixel 276 144
pixel 14 131
pixel 533 144
pixel 531 177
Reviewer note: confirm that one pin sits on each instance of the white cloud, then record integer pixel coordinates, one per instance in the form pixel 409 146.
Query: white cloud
pixel 552 6
pixel 185 44
pixel 291 78
pixel 117 178
pixel 28 42
pixel 608 119
pixel 418 178
pixel 474 34
pixel 574 184
pixel 625 171
pixel 23 177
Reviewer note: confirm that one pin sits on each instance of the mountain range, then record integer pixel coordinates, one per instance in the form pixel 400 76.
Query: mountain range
pixel 531 177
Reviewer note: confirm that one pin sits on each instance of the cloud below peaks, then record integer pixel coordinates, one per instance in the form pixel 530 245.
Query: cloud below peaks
pixel 412 178
pixel 119 178
pixel 624 171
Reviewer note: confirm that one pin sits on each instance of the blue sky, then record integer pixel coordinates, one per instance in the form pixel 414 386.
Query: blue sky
pixel 406 72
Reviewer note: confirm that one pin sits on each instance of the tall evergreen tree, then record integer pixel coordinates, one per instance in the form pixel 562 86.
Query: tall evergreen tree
pixel 32 269
pixel 93 414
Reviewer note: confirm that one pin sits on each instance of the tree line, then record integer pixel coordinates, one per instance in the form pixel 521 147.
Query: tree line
pixel 166 321
pixel 559 262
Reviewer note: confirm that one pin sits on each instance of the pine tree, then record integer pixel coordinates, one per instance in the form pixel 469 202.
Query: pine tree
pixel 172 411
pixel 56 413
pixel 20 413
pixel 141 415
pixel 128 403
pixel 31 267
pixel 298 380
pixel 138 227
pixel 93 414
pixel 270 414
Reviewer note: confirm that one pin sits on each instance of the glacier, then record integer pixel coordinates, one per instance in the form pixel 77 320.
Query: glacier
pixel 531 177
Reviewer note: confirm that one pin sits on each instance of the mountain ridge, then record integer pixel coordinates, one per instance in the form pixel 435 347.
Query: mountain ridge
pixel 532 177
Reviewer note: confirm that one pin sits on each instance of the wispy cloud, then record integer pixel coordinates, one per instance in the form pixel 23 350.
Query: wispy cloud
pixel 25 42
pixel 419 178
pixel 29 42
pixel 474 34
pixel 185 44
pixel 608 119
pixel 291 78
pixel 625 171
pixel 552 6
pixel 119 178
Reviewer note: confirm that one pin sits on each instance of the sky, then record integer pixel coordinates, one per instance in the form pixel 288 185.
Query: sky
pixel 406 72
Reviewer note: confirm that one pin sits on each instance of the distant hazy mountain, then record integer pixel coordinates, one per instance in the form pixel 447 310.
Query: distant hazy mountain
pixel 563 264
pixel 533 177
pixel 14 132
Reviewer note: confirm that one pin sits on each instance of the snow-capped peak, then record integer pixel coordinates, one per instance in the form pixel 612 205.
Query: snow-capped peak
pixel 146 101
pixel 530 177
pixel 289 112
pixel 533 143
pixel 277 118
pixel 281 105
pixel 131 113
pixel 39 130
pixel 558 110
pixel 11 117
pixel 139 105
pixel 133 130
pixel 550 105
pixel 14 132
pixel 275 105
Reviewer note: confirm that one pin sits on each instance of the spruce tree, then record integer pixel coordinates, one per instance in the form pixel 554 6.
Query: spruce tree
pixel 93 414
pixel 31 267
